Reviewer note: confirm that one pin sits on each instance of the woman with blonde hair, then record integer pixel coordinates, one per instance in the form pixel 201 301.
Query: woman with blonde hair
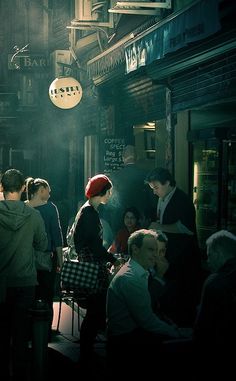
pixel 38 193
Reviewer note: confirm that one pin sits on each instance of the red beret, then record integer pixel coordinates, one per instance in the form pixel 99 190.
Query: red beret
pixel 96 185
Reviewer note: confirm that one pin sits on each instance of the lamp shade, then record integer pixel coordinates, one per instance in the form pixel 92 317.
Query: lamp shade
pixel 65 92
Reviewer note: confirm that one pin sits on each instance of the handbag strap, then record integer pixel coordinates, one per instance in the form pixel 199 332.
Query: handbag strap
pixel 70 235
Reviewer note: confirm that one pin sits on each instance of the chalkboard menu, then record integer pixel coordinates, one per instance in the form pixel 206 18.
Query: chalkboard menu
pixel 112 154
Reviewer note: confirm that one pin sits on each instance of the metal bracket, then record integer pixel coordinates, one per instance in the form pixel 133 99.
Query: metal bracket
pixel 144 4
pixel 139 7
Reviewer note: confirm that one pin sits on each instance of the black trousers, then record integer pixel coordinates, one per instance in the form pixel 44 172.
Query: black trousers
pixel 45 290
pixel 147 352
pixel 15 330
pixel 93 322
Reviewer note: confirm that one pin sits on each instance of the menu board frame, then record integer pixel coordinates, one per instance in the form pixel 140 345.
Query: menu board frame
pixel 112 148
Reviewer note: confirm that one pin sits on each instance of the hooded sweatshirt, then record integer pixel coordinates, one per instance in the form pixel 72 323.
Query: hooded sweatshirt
pixel 22 231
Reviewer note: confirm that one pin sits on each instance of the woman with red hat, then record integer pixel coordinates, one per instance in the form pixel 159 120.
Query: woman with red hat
pixel 88 239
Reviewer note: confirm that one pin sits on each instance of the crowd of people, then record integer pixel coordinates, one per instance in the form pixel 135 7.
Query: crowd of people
pixel 156 296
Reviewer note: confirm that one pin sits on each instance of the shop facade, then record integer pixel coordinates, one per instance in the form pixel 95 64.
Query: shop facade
pixel 189 87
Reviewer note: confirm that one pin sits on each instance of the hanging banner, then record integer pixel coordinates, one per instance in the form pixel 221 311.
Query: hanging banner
pixel 196 23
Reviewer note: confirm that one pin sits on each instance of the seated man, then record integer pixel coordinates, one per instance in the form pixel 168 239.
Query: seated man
pixel 159 286
pixel 132 326
pixel 215 326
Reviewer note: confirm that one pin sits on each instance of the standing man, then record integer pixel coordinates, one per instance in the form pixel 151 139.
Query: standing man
pixel 22 231
pixel 176 217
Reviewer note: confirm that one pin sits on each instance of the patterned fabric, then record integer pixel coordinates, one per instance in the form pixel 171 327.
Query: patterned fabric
pixel 80 275
pixel 85 255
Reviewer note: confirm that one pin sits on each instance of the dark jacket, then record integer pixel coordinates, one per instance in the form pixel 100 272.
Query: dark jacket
pixel 50 215
pixel 215 326
pixel 180 208
pixel 89 234
pixel 184 272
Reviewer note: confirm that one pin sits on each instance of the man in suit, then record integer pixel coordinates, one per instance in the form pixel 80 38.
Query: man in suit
pixel 176 218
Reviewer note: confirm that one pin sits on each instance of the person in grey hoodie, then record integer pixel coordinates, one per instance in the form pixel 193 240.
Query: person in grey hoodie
pixel 22 231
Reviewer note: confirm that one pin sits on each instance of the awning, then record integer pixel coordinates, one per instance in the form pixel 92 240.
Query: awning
pixel 107 60
pixel 197 22
pixel 193 23
pixel 113 58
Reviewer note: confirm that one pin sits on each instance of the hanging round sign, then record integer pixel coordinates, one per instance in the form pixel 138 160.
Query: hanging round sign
pixel 65 92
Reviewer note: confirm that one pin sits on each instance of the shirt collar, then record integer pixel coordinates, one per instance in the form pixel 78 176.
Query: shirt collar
pixel 139 270
pixel 169 195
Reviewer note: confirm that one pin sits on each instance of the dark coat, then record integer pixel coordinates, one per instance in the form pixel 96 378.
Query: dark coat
pixel 184 273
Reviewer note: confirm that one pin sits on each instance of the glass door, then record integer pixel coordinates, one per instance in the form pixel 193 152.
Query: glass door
pixel 206 187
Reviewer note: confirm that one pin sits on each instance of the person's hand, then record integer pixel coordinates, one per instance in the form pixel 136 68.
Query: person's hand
pixel 155 226
pixel 119 260
pixel 116 266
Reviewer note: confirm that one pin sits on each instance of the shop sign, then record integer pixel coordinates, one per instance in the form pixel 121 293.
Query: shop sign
pixel 65 92
pixel 29 62
pixel 196 23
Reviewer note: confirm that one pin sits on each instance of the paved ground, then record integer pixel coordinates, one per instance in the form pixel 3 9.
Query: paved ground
pixel 64 349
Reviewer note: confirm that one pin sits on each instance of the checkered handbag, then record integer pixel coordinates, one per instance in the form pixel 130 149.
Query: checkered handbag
pixel 80 275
